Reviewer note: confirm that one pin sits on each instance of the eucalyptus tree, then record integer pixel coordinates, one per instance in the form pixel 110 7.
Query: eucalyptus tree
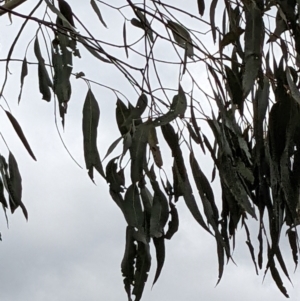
pixel 233 96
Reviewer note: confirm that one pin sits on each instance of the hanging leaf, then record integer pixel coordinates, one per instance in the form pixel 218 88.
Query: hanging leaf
pixel 112 147
pixel 20 133
pixel 127 142
pixel 231 37
pixel 65 14
pixel 159 244
pixel 182 37
pixel 138 151
pixel 15 186
pixel 128 262
pixel 254 37
pixel 125 39
pixel 212 18
pixel 97 11
pixel 154 148
pixel 90 122
pixel 156 227
pixel 293 88
pixel 140 106
pixel 2 196
pixel 201 7
pixel 66 11
pixel 144 23
pixel 177 109
pixel 24 73
pixel 293 240
pixel 44 79
pixel 132 207
pixel 235 89
pixel 114 178
pixel 122 117
pixel 143 264
pixel 62 85
pixel 173 224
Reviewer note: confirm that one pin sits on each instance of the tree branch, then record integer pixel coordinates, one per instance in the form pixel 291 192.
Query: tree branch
pixel 10 5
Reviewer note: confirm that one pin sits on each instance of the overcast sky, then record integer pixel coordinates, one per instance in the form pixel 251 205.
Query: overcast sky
pixel 73 243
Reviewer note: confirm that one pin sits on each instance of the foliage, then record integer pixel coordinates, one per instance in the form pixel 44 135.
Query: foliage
pixel 245 118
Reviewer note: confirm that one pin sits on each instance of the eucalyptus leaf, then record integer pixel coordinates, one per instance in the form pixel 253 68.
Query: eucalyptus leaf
pixel 90 120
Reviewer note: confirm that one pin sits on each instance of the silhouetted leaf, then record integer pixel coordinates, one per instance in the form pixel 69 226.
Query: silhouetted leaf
pixel 250 246
pixel 97 11
pixel 173 224
pixel 182 37
pixel 144 24
pixel 293 240
pixel 44 79
pixel 155 150
pixel 177 109
pixel 2 196
pixel 15 186
pixel 122 117
pixel 125 39
pixel 132 207
pixel 128 262
pixel 138 151
pixel 20 133
pixel 231 37
pixel 159 244
pixel 254 36
pixel 293 88
pixel 201 7
pixel 24 73
pixel 60 14
pixel 112 147
pixel 90 120
pixel 143 263
pixel 190 200
pixel 212 18
pixel 112 177
pixel 235 89
pixel 92 50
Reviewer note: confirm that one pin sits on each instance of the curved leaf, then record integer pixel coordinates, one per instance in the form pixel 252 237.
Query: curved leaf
pixel 182 37
pixel 15 186
pixel 90 120
pixel 24 72
pixel 97 11
pixel 132 207
pixel 138 151
pixel 20 133
pixel 159 244
pixel 127 265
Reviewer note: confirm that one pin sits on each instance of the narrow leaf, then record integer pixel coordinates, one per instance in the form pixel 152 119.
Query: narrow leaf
pixel 182 37
pixel 154 147
pixel 125 39
pixel 90 122
pixel 132 207
pixel 201 7
pixel 212 18
pixel 20 133
pixel 112 147
pixel 159 244
pixel 127 265
pixel 143 264
pixel 15 185
pixel 173 224
pixel 97 11
pixel 24 73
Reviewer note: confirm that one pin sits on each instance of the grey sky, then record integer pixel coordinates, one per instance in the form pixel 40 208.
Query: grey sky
pixel 72 246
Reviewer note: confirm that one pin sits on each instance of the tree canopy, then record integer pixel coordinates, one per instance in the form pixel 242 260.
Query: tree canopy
pixel 211 79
